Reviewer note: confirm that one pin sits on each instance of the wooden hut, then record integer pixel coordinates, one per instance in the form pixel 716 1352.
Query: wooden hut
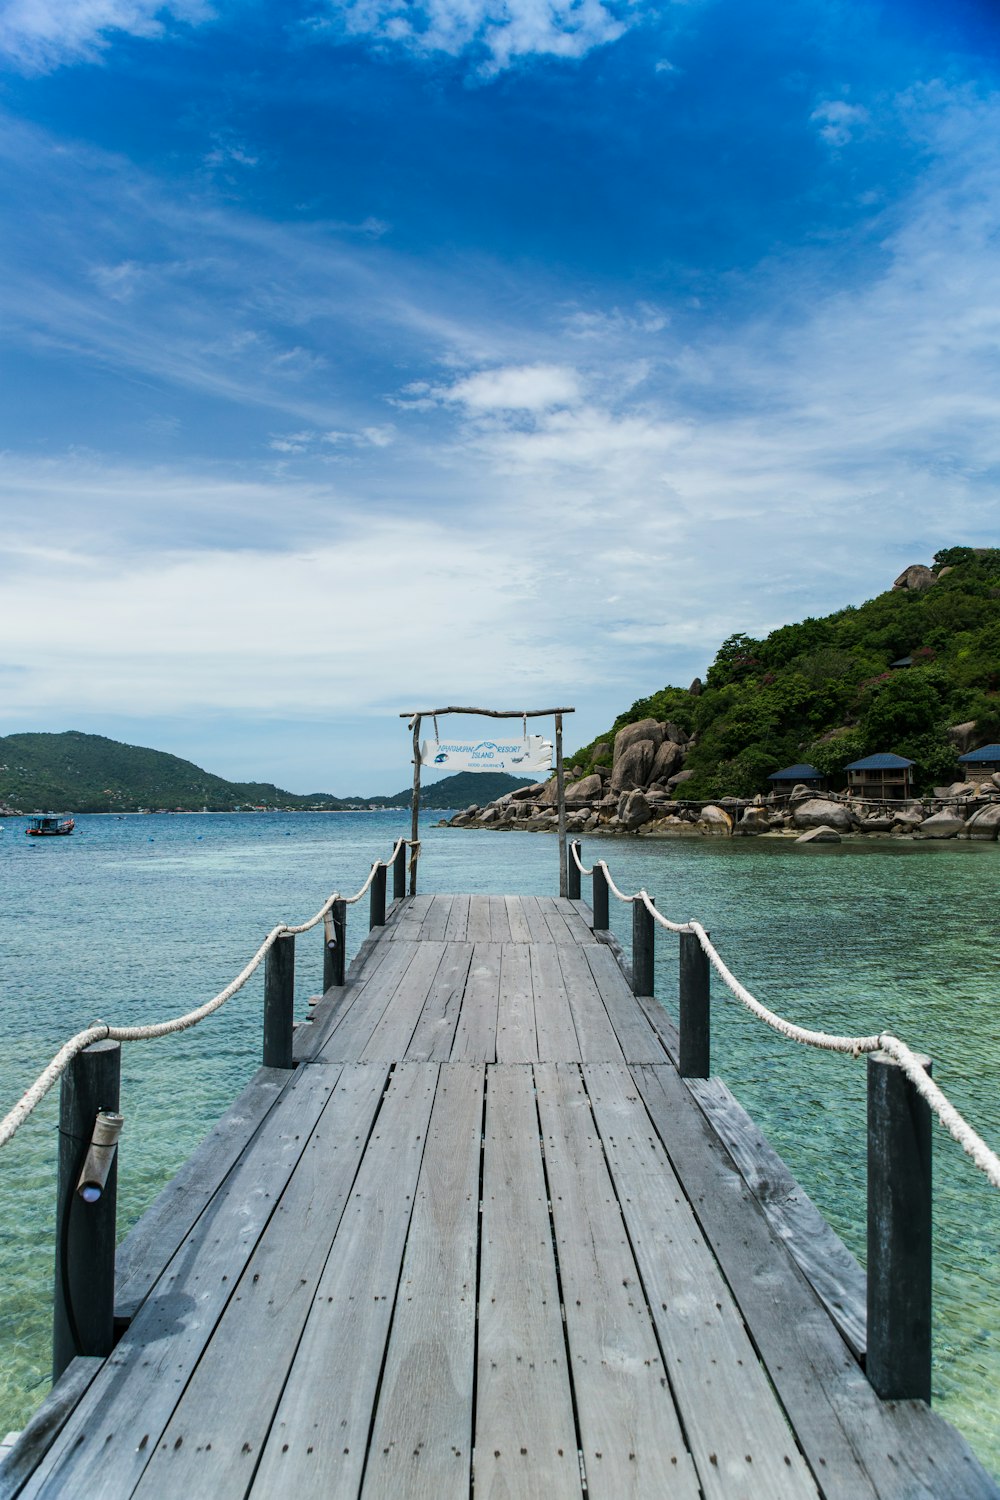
pixel 980 764
pixel 801 775
pixel 880 778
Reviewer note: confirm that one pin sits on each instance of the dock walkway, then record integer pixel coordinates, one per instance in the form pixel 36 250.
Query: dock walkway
pixel 485 1240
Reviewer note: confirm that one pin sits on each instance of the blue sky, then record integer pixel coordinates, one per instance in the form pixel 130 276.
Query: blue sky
pixel 360 355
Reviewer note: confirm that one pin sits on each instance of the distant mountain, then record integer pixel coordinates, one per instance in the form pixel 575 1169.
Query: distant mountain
pixel 89 773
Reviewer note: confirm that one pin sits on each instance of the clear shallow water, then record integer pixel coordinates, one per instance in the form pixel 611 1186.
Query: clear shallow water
pixel 144 917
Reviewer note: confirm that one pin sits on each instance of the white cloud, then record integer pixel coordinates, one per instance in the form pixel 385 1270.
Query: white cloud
pixel 500 31
pixel 514 388
pixel 838 121
pixel 39 35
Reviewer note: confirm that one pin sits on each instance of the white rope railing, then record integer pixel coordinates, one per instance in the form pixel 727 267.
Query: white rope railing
pixel 957 1127
pixel 101 1031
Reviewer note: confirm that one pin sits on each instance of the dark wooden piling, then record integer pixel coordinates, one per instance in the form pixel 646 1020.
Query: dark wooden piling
pixel 573 871
pixel 279 1001
pixel 899 1233
pixel 83 1314
pixel 376 899
pixel 334 935
pixel 694 1009
pixel 643 949
pixel 599 900
pixel 399 873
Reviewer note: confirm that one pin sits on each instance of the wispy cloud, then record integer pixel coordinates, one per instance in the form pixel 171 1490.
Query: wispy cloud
pixel 498 32
pixel 838 121
pixel 40 35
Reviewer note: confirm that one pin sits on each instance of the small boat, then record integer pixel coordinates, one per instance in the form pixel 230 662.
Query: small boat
pixel 49 825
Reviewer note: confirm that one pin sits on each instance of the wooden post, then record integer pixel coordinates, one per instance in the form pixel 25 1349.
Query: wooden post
pixel 898 1362
pixel 561 792
pixel 415 813
pixel 642 950
pixel 376 899
pixel 83 1312
pixel 599 899
pixel 573 872
pixel 694 1010
pixel 399 873
pixel 334 948
pixel 279 1002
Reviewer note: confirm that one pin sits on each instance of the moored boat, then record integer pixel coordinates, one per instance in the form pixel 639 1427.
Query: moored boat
pixel 49 825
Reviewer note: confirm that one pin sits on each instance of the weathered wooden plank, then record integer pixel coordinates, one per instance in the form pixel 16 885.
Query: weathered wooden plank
pixel 737 1432
pixel 435 1031
pixel 499 921
pixel 45 1425
pixel 516 1040
pixel 213 1440
pixel 318 1440
pixel 457 927
pixel 554 920
pixel 538 928
pixel 525 1439
pixel 422 1437
pixel 476 1032
pixel 578 929
pixel 351 1032
pixel 597 1037
pixel 435 923
pixel 151 1242
pixel 557 1039
pixel 410 917
pixel 857 1445
pixel 639 1041
pixel 398 1021
pixel 104 1446
pixel 817 1249
pixel 332 1011
pixel 629 1431
pixel 519 929
pixel 479 920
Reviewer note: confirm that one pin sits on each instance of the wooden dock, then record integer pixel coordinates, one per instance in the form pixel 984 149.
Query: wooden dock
pixel 483 1239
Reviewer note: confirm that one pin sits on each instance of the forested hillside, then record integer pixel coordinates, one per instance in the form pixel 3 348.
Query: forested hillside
pixel 829 691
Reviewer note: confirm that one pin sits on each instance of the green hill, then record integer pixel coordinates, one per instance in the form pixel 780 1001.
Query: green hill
pixel 89 773
pixel 831 690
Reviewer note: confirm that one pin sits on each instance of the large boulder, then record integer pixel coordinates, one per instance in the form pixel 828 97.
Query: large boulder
pixel 984 824
pixel 755 820
pixel 915 577
pixel 679 778
pixel 550 793
pixel 676 733
pixel 906 819
pixel 669 758
pixel 633 811
pixel 819 813
pixel 525 793
pixel 942 825
pixel 645 729
pixel 601 751
pixel 963 736
pixel 590 789
pixel 821 835
pixel 632 768
pixel 713 819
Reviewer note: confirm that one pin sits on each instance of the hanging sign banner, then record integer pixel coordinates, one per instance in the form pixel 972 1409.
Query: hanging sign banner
pixel 514 756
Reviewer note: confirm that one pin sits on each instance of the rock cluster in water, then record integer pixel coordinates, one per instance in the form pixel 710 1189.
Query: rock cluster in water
pixel 638 793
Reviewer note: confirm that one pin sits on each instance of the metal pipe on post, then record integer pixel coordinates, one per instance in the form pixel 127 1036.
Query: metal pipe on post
pixel 599 899
pixel 573 871
pixel 898 1361
pixel 642 949
pixel 561 793
pixel 399 873
pixel 376 899
pixel 694 1009
pixel 279 1002
pixel 83 1311
pixel 415 807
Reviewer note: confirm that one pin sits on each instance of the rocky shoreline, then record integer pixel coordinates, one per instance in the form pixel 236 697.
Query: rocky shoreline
pixel 636 794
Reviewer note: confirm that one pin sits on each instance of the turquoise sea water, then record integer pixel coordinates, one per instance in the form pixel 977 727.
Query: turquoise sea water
pixel 140 918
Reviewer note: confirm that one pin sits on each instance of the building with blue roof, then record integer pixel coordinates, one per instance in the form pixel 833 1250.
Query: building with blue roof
pixel 800 775
pixel 980 764
pixel 884 777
